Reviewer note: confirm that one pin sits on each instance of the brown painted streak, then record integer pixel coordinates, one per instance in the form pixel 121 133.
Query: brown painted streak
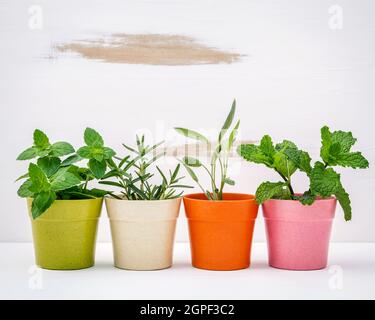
pixel 150 49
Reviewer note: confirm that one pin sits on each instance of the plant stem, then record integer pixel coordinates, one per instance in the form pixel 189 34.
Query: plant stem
pixel 289 185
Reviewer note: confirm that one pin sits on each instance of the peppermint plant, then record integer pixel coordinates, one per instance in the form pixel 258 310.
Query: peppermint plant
pixel 54 173
pixel 218 165
pixel 132 176
pixel 285 158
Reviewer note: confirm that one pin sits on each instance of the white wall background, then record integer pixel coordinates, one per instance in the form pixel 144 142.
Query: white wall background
pixel 298 75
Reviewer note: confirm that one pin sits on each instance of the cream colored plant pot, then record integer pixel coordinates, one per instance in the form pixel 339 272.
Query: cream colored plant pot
pixel 143 232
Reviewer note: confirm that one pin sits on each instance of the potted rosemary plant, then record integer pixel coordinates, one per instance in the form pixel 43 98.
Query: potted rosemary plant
pixel 298 225
pixel 64 212
pixel 220 224
pixel 143 214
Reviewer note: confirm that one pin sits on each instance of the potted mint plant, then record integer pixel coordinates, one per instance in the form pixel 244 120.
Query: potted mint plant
pixel 298 225
pixel 144 212
pixel 220 224
pixel 64 212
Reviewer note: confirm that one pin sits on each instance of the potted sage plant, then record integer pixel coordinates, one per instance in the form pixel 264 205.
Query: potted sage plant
pixel 298 225
pixel 143 214
pixel 64 212
pixel 220 224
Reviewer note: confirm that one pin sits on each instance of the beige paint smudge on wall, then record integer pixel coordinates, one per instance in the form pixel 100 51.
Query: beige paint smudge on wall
pixel 151 49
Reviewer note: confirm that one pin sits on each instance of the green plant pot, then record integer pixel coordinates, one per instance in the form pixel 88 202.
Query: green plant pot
pixel 65 235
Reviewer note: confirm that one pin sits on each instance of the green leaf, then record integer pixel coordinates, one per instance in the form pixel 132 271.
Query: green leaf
pixel 191 162
pixel 268 190
pixel 42 202
pixel 49 165
pixel 301 159
pixel 63 180
pixel 307 198
pixel 253 153
pixel 324 181
pixel 85 152
pixel 61 148
pixel 24 189
pixel 24 176
pixel 38 178
pixel 344 139
pixel 40 139
pixel 343 197
pixel 112 183
pixel 97 168
pixel 165 181
pixel 232 136
pixel 353 160
pixel 71 160
pixel 229 181
pixel 283 165
pixel 108 153
pixel 93 138
pixel 28 154
pixel 190 172
pixel 228 121
pixel 175 172
pixel 336 147
pixel 285 145
pixel 266 146
pixel 192 135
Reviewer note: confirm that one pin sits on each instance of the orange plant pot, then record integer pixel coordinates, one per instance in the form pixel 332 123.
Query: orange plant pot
pixel 221 232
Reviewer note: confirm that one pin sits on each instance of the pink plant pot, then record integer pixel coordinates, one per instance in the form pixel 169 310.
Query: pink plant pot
pixel 298 235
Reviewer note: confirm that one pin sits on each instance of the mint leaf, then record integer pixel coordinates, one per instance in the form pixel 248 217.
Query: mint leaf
pixel 108 153
pixel 61 148
pixel 253 153
pixel 38 178
pixel 283 165
pixel 64 179
pixel 268 190
pixel 301 159
pixel 353 159
pixel 93 138
pixel 40 139
pixel 344 139
pixel 324 181
pixel 307 198
pixel 266 146
pixel 285 145
pixel 85 152
pixel 343 197
pixel 336 147
pixel 24 189
pixel 71 160
pixel 97 168
pixel 49 165
pixel 28 154
pixel 41 203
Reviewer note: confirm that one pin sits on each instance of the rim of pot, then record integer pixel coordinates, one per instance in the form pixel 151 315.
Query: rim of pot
pixel 164 200
pixel 300 194
pixel 66 200
pixel 247 197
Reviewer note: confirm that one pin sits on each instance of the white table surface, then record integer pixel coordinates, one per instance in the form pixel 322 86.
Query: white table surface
pixel 350 275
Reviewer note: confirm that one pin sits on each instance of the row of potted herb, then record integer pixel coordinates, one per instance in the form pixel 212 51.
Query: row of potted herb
pixel 64 211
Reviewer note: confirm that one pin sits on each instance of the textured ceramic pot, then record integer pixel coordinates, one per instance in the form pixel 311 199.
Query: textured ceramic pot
pixel 221 232
pixel 65 235
pixel 143 232
pixel 298 236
